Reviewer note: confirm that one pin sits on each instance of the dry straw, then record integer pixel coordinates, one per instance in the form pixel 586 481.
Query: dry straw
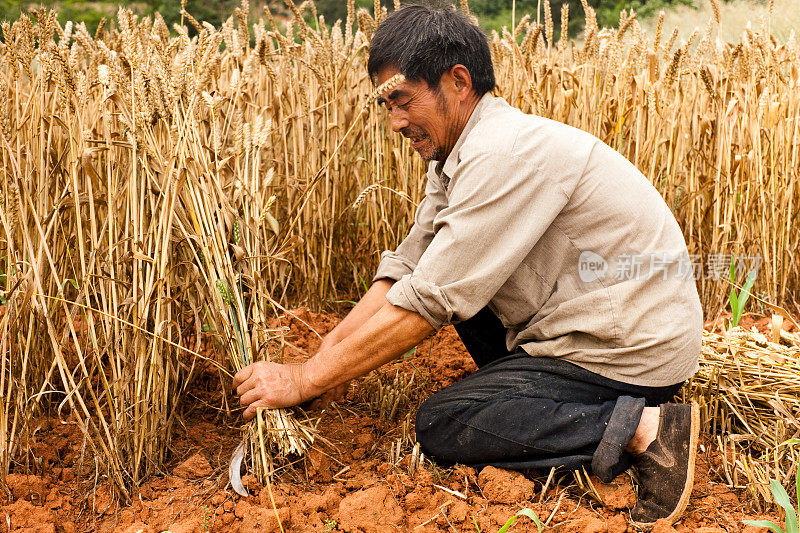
pixel 130 157
pixel 749 392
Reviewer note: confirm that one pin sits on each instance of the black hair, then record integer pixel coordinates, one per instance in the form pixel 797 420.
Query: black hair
pixel 424 41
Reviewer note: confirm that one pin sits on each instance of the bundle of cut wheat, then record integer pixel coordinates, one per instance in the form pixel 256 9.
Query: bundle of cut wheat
pixel 749 390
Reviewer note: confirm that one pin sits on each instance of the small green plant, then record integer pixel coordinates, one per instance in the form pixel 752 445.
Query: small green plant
pixel 781 498
pixel 330 524
pixel 206 513
pixel 738 300
pixel 523 512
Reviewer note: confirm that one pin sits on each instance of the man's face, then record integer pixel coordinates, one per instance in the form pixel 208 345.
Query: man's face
pixel 425 116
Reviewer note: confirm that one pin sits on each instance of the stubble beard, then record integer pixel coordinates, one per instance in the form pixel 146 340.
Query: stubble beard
pixel 436 153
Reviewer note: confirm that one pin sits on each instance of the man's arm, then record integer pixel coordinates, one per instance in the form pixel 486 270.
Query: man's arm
pixel 387 334
pixel 366 307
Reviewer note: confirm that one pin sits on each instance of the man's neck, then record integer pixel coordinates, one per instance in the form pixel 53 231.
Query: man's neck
pixel 463 114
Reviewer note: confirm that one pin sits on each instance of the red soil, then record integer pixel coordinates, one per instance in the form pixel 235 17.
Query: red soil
pixel 348 482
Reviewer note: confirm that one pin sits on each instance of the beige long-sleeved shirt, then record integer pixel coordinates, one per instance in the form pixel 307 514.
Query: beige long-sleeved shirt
pixel 563 238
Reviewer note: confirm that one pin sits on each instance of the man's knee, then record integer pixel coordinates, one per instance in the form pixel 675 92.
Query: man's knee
pixel 435 428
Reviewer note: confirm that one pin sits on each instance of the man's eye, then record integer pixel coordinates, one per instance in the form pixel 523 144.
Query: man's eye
pixel 404 105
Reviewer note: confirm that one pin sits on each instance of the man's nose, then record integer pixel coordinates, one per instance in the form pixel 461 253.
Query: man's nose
pixel 399 121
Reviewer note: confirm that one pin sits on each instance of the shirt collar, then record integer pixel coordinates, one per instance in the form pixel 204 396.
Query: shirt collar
pixel 448 167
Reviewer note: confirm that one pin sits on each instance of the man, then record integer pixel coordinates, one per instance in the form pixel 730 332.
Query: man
pixel 523 241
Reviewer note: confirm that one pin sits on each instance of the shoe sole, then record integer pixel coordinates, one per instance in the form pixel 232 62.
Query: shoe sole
pixel 687 487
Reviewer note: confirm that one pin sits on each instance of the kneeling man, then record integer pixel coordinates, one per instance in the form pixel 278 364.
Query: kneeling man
pixel 561 267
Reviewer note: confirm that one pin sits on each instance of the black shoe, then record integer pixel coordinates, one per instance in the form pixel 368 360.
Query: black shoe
pixel 666 469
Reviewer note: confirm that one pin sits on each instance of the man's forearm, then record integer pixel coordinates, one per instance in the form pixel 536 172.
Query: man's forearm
pixel 387 334
pixel 369 304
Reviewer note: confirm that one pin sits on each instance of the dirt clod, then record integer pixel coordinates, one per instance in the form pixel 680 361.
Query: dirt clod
pixel 617 524
pixel 617 494
pixel 31 488
pixel 662 526
pixel 593 525
pixel 505 486
pixel 195 467
pixel 372 510
pixel 263 520
pixel 23 515
pixel 191 524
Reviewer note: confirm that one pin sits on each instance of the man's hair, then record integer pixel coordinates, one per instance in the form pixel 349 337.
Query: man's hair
pixel 425 41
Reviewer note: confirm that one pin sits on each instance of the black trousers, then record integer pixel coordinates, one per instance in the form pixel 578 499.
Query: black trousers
pixel 522 412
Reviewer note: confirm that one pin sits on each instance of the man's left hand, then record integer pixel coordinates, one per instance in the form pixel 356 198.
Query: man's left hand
pixel 271 385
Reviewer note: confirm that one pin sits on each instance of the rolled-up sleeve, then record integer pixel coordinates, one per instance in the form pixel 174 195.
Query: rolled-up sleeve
pixel 399 262
pixel 499 207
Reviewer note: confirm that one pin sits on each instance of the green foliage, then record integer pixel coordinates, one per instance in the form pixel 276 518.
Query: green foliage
pixel 337 9
pixel 206 513
pixel 92 12
pixel 738 300
pixel 524 512
pixel 781 498
pixel 492 14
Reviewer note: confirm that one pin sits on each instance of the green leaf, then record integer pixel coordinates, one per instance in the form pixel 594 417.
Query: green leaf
pixel 782 499
pixel 751 279
pixel 748 284
pixel 410 353
pixel 734 301
pixel 508 524
pixel 764 523
pixel 530 514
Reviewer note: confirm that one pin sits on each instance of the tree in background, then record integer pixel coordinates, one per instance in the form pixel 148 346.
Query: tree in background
pixel 492 14
pixel 91 12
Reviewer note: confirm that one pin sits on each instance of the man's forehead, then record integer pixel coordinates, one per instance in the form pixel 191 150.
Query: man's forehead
pixel 384 74
pixel 406 88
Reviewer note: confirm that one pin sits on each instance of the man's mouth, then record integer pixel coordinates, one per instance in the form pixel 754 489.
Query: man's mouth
pixel 418 142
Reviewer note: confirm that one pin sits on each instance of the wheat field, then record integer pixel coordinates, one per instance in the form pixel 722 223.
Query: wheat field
pixel 165 187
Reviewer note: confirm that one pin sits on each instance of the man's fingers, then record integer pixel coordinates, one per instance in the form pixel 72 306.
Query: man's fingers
pixel 250 412
pixel 242 376
pixel 248 385
pixel 251 396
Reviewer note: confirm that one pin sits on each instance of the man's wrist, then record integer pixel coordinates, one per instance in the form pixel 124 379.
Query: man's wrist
pixel 308 389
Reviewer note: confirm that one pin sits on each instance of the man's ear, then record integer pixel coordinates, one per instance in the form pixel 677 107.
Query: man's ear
pixel 462 81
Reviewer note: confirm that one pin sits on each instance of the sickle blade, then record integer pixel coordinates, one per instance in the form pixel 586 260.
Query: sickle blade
pixel 234 471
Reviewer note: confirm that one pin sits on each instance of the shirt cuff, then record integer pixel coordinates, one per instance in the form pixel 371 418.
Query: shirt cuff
pixel 413 293
pixel 393 266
